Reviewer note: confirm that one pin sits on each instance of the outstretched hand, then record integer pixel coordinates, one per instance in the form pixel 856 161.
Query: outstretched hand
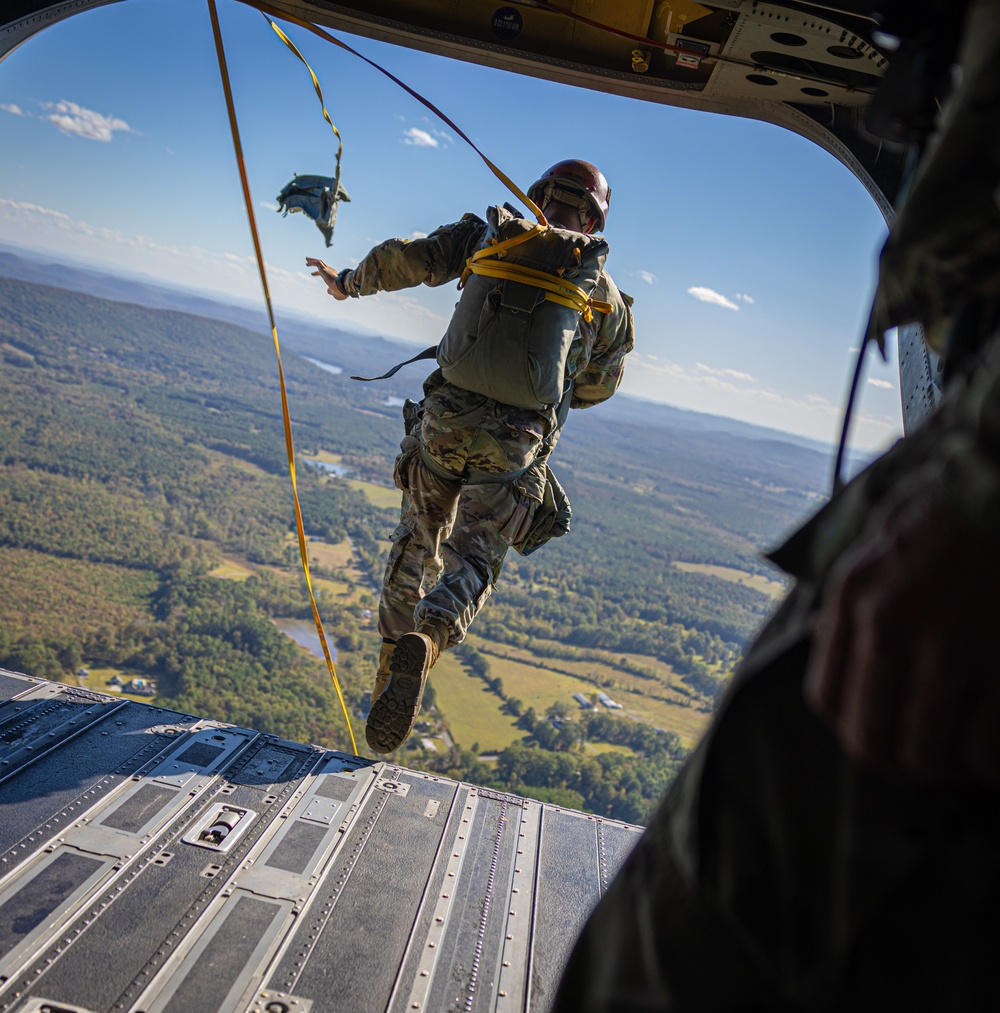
pixel 329 276
pixel 906 651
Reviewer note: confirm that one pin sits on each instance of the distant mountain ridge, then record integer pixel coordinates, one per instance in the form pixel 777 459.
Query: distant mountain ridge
pixel 349 350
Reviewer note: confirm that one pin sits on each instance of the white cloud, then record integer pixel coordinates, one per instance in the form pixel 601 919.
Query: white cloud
pixel 709 295
pixel 746 298
pixel 733 374
pixel 648 277
pixel 269 205
pixel 14 110
pixel 720 381
pixel 32 209
pixel 420 138
pixel 418 235
pixel 33 217
pixel 720 392
pixel 883 384
pixel 427 137
pixel 73 119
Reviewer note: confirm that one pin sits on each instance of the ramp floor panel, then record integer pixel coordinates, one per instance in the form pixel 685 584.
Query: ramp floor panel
pixel 151 862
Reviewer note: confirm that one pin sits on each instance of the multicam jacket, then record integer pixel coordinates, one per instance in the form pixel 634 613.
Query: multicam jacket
pixel 597 356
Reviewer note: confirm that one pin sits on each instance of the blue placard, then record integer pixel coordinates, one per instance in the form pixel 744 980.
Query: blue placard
pixel 507 23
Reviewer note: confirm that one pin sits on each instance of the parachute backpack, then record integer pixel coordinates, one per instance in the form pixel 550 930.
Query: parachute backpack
pixel 522 298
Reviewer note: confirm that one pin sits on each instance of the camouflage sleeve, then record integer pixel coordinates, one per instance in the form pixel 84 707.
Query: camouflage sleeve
pixel 968 472
pixel 610 337
pixel 945 244
pixel 404 263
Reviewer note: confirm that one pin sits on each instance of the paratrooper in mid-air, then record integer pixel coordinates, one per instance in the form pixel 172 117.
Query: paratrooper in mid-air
pixel 540 328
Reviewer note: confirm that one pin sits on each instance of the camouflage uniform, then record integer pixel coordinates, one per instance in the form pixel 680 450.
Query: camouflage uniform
pixel 778 874
pixel 471 469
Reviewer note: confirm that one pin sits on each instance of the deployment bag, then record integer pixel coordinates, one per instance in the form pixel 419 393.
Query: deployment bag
pixel 520 308
pixel 316 196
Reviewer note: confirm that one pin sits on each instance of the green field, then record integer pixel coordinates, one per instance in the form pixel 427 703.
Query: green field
pixel 98 681
pixel 377 495
pixel 232 569
pixel 656 702
pixel 471 711
pixel 325 554
pixel 327 457
pixel 474 713
pixel 774 588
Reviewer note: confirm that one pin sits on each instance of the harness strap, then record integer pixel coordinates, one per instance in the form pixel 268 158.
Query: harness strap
pixel 557 290
pixel 498 248
pixel 427 353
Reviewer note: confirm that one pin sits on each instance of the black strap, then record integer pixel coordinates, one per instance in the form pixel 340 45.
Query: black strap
pixel 427 353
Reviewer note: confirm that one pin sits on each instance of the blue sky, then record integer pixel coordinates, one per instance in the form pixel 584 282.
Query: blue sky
pixel 750 252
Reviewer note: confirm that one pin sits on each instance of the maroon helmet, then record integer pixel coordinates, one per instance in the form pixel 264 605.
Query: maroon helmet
pixel 575 182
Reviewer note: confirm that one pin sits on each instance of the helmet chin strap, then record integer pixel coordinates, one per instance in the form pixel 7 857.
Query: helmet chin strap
pixel 573 198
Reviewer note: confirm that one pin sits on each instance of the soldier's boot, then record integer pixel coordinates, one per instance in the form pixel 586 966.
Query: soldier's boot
pixel 382 675
pixel 395 710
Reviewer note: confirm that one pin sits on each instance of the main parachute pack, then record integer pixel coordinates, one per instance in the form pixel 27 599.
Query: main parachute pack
pixel 520 309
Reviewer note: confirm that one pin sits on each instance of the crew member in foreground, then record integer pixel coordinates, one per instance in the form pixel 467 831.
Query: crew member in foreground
pixel 540 328
pixel 834 842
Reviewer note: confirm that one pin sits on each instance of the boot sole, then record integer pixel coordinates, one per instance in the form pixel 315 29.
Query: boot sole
pixel 393 714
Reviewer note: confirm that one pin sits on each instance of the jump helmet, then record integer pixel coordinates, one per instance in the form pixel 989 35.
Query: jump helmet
pixel 575 182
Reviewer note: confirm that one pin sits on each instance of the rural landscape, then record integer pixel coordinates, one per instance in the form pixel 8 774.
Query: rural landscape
pixel 147 545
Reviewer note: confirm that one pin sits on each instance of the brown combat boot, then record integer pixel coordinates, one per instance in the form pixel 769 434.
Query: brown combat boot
pixel 397 705
pixel 382 675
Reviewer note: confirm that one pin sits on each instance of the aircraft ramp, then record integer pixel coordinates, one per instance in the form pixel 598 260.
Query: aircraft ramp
pixel 151 862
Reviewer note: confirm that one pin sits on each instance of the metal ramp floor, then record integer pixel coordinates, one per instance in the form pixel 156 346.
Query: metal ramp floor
pixel 151 862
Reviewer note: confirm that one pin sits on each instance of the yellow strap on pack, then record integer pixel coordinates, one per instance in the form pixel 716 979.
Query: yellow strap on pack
pixel 496 248
pixel 557 290
pixel 289 445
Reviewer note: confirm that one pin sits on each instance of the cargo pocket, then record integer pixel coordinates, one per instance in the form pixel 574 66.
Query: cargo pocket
pixel 516 530
pixel 400 538
pixel 409 448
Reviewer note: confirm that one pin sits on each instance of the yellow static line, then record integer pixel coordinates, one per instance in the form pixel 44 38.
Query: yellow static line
pixel 289 445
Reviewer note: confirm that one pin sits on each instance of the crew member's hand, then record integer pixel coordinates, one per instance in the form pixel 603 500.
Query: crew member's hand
pixel 906 653
pixel 329 276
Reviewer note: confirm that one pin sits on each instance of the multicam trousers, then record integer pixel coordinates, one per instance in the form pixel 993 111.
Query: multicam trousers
pixel 471 471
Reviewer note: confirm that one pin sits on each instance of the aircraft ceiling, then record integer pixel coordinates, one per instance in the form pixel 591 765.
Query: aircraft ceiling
pixel 807 66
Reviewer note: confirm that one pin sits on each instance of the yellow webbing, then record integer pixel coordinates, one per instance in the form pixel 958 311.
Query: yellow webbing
pixel 316 30
pixel 319 91
pixel 289 445
pixel 497 249
pixel 557 290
